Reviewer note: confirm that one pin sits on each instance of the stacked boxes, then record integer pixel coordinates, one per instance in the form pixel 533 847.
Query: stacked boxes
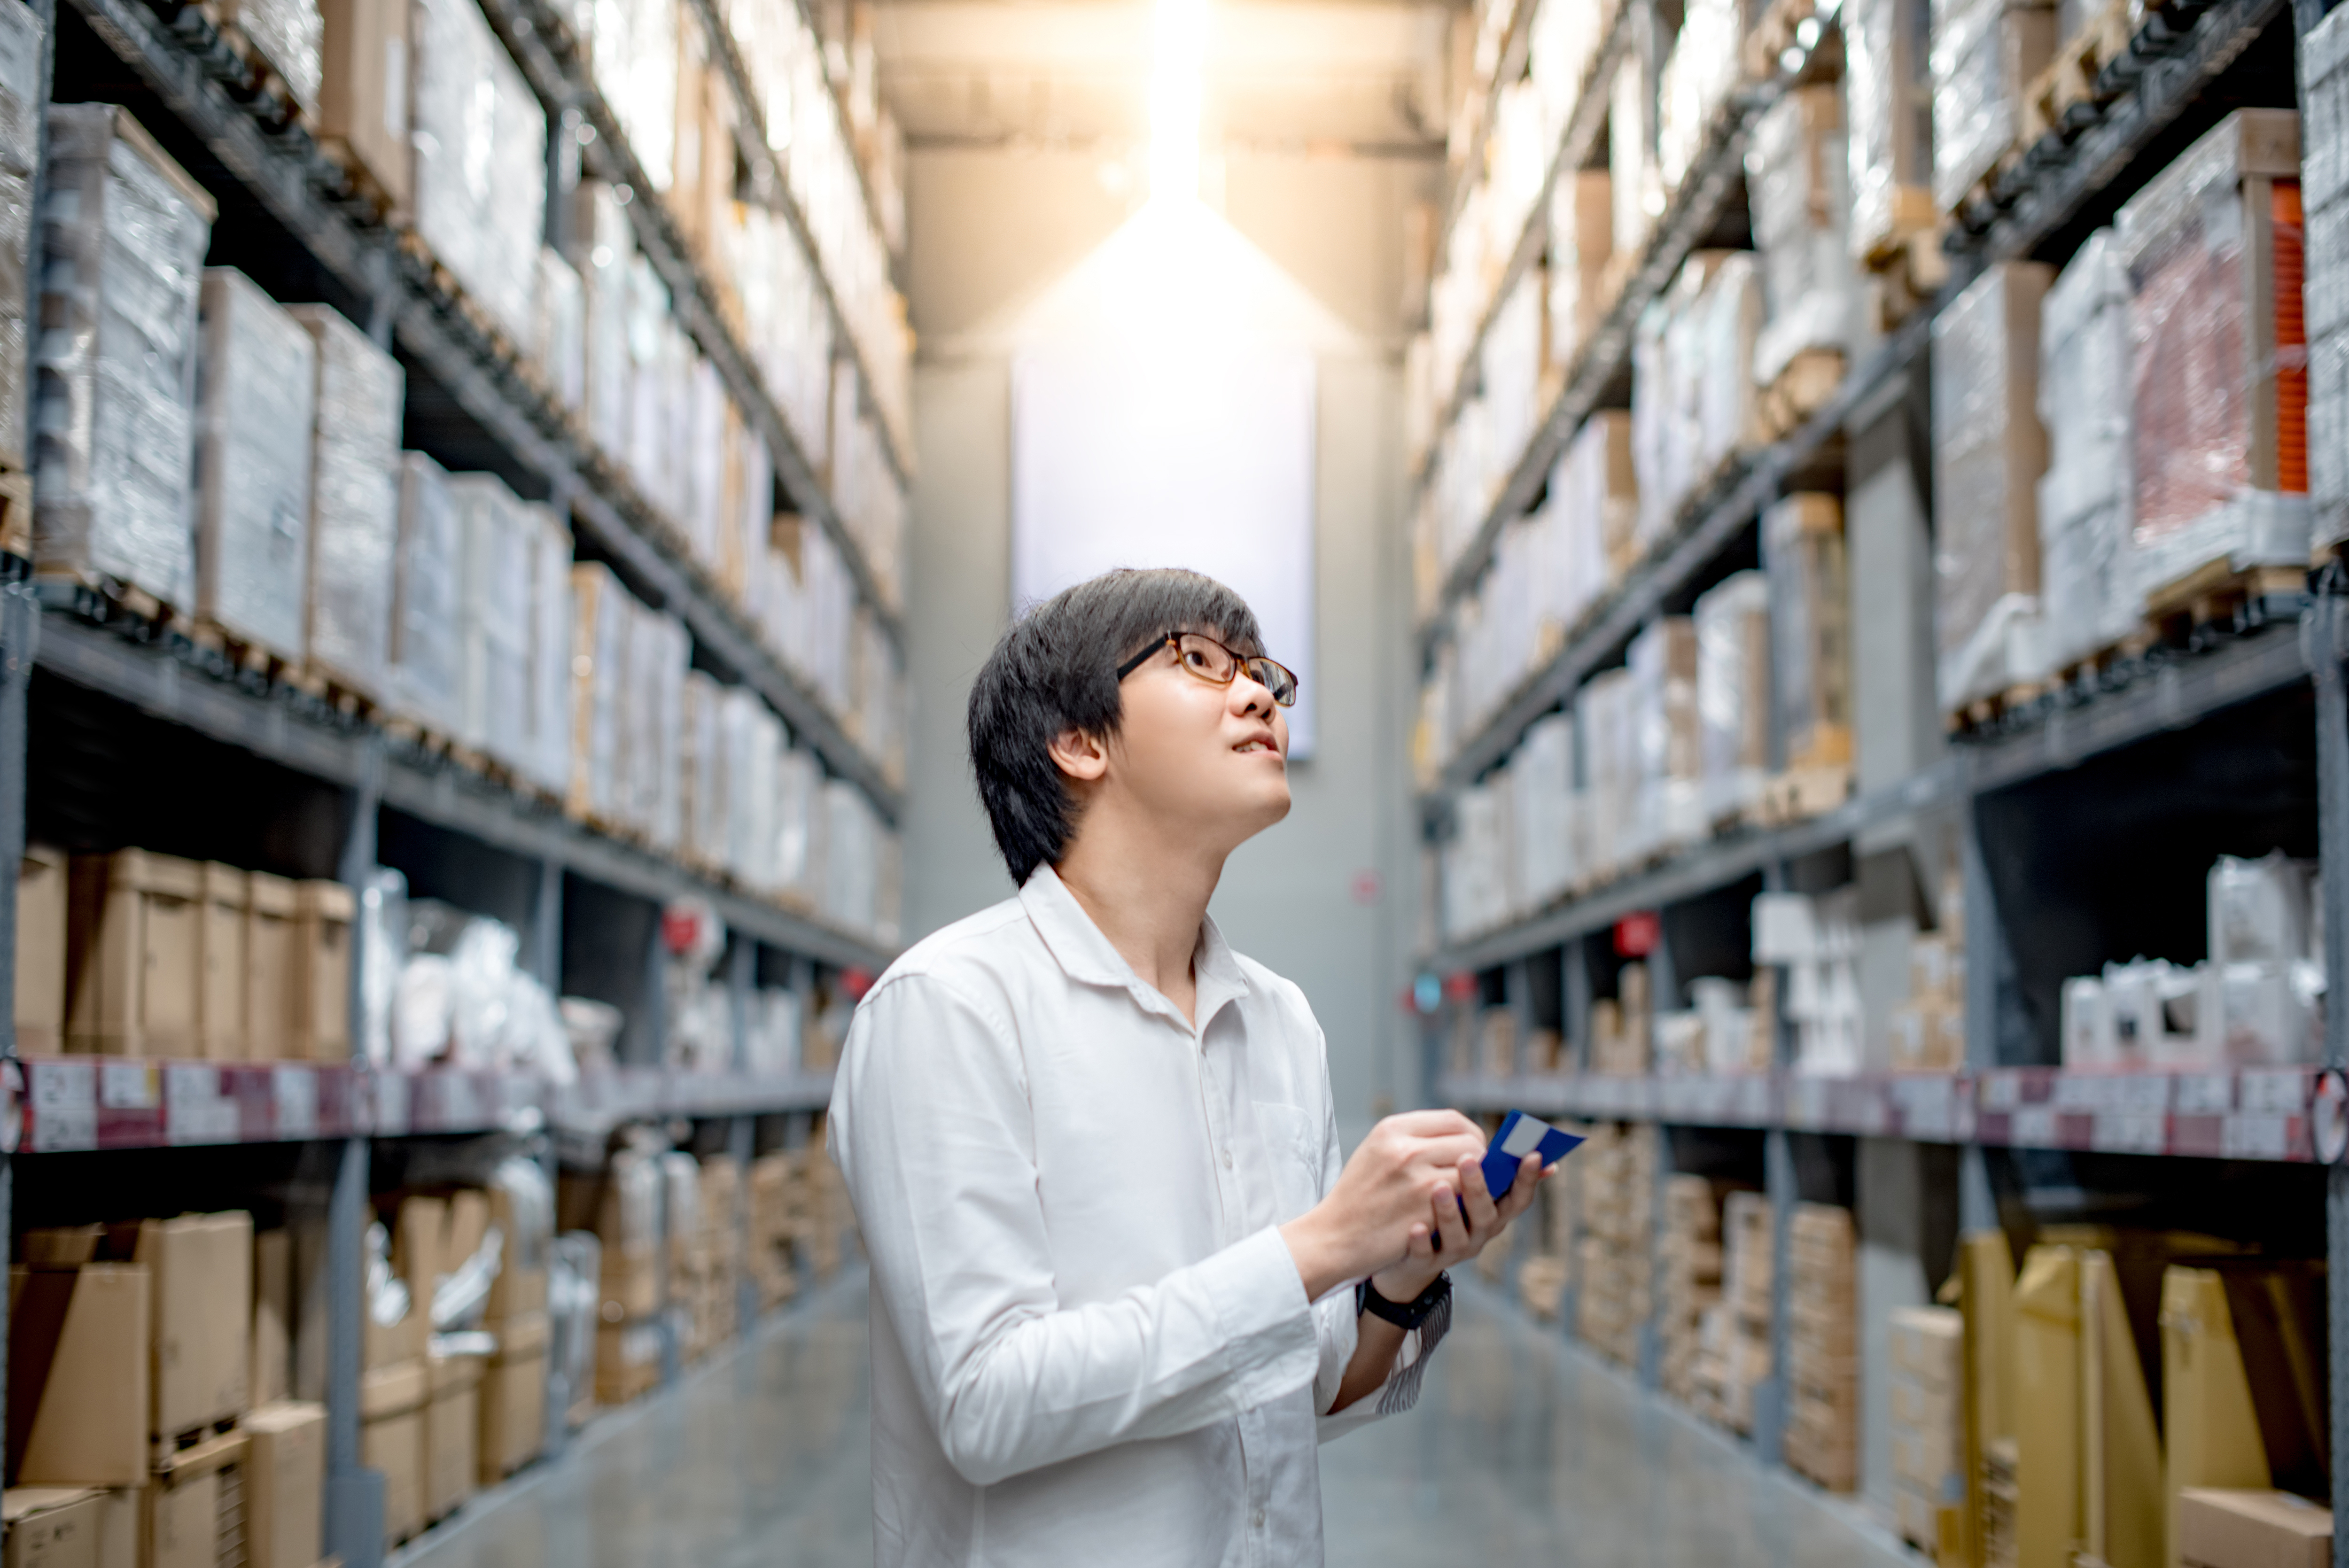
pixel 773 1193
pixel 513 1427
pixel 1798 172
pixel 2324 57
pixel 1581 243
pixel 1734 1351
pixel 1929 1029
pixel 1822 1439
pixel 1810 628
pixel 1732 693
pixel 2087 562
pixel 395 1385
pixel 1817 942
pixel 1621 1026
pixel 1615 1260
pixel 1888 101
pixel 21 95
pixel 1693 402
pixel 622 1206
pixel 427 664
pixel 1544 1275
pixel 1696 77
pixel 1689 1262
pixel 363 94
pixel 1928 1425
pixel 480 160
pixel 1986 52
pixel 354 523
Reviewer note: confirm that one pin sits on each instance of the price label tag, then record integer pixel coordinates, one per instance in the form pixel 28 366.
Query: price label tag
pixel 2205 1094
pixel 2131 1132
pixel 2244 1136
pixel 392 1116
pixel 130 1085
pixel 194 1108
pixel 295 1095
pixel 63 1098
pixel 2034 1126
pixel 2274 1091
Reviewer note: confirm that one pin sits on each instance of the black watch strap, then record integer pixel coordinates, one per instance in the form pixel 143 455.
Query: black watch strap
pixel 1408 1314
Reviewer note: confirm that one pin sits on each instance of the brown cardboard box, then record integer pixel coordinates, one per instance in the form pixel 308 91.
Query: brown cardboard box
pixel 520 1288
pixel 285 1480
pixel 272 1364
pixel 514 1399
pixel 269 939
pixel 628 1360
pixel 220 900
pixel 41 921
pixel 78 1373
pixel 203 1266
pixel 452 1426
pixel 320 1005
pixel 363 92
pixel 189 1509
pixel 130 945
pixel 2222 1528
pixel 392 1401
pixel 52 1526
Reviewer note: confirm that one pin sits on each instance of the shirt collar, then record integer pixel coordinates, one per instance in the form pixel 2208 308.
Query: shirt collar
pixel 1086 956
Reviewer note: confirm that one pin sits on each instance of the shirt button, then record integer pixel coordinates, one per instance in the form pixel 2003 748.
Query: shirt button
pixel 1259 1518
pixel 1227 1163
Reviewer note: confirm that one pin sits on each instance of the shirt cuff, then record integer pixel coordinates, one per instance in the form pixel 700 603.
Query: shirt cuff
pixel 1268 1324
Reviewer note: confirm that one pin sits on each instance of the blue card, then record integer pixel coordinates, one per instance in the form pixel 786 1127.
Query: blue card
pixel 1519 1136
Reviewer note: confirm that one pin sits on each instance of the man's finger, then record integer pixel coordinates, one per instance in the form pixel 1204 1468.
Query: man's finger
pixel 1435 1124
pixel 1481 1210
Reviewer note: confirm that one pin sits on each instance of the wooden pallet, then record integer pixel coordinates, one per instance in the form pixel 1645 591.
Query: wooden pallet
pixel 326 685
pixel 2090 669
pixel 1974 209
pixel 1801 390
pixel 1798 794
pixel 1910 278
pixel 1985 711
pixel 243 654
pixel 1908 213
pixel 405 731
pixel 2072 80
pixel 2219 596
pixel 1774 35
pixel 262 81
pixel 362 189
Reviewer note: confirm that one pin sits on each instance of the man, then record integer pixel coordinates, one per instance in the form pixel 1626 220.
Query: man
pixel 1115 1256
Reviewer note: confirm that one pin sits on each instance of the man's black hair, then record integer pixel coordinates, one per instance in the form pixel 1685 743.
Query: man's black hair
pixel 1056 670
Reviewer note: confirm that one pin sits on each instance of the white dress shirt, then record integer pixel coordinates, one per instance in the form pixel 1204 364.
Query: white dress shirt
pixel 1091 1347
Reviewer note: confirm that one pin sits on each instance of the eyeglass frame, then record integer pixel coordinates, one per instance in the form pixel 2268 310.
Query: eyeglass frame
pixel 1240 662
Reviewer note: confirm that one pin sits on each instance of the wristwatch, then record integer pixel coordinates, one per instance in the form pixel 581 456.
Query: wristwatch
pixel 1410 1315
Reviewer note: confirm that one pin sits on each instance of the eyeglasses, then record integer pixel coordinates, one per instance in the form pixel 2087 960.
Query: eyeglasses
pixel 1208 659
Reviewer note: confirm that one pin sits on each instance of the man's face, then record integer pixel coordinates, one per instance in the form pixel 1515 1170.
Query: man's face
pixel 1211 761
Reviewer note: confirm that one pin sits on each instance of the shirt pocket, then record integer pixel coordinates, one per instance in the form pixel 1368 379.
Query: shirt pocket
pixel 1292 1137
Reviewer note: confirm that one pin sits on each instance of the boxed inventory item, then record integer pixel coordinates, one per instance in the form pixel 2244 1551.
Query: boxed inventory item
pixel 2218 1528
pixel 1889 102
pixel 603 616
pixel 608 251
pixel 514 1399
pixel 222 901
pixel 627 1361
pixel 1689 1257
pixel 1928 1423
pixel 1988 451
pixel 1635 185
pixel 68 1527
pixel 1822 1438
pixel 1616 1255
pixel 2217 356
pixel 1670 749
pixel 1581 243
pixel 256 379
pixel 452 1422
pixel 1736 1354
pixel 521 1206
pixel 20 127
pixel 480 167
pixel 703 837
pixel 362 90
pixel 2088 586
pixel 192 1510
pixel 131 954
pixel 1986 54
pixel 1798 172
pixel 754 747
pixel 622 1204
pixel 271 954
pixel 550 677
pixel 285 33
pixel 1542 774
pixel 493 621
pixel 427 672
pixel 659 652
pixel 1733 692
pixel 634 51
pixel 270 1364
pixel 285 1482
pixel 41 903
pixel 201 1266
pixel 558 340
pixel 320 1004
pixel 354 503
pixel 1810 627
pixel 1696 77
pixel 123 238
pixel 392 1402
pixel 79 1394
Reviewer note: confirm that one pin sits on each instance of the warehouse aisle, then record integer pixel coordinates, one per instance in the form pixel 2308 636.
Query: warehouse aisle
pixel 1524 1452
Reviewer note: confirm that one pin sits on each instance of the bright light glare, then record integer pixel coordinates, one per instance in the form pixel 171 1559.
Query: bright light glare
pixel 1177 66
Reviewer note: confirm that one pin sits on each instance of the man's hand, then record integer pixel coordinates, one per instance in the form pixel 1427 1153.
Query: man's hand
pixel 1386 1199
pixel 1464 1227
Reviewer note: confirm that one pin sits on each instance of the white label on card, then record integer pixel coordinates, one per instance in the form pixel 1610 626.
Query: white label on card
pixel 65 1105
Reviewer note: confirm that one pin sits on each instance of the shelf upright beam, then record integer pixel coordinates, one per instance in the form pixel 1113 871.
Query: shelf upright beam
pixel 2323 637
pixel 1778 1185
pixel 20 632
pixel 353 1522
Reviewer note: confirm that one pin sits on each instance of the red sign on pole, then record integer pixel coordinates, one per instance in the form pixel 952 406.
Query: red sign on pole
pixel 1638 934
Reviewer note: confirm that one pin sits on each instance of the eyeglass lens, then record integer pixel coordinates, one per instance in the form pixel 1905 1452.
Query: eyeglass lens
pixel 1217 662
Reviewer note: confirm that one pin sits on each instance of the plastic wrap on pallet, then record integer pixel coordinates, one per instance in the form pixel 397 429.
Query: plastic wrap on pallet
pixel 798 846
pixel 494 620
pixel 1576 518
pixel 553 619
pixel 1988 451
pixel 851 857
pixel 1582 243
pixel 2212 250
pixel 354 501
pixel 286 34
pixel 559 338
pixel 701 732
pixel 635 67
pixel 427 673
pixel 1608 732
pixel 1729 411
pixel 1662 660
pixel 1733 692
pixel 2328 439
pixel 1985 54
pixel 1541 773
pixel 1798 172
pixel 2088 586
pixel 20 128
pixel 1634 184
pixel 1696 80
pixel 1693 402
pixel 704 515
pixel 754 740
pixel 609 252
pixel 123 234
pixel 602 618
pixel 1810 627
pixel 657 654
pixel 657 361
pixel 257 383
pixel 1513 360
pixel 1477 860
pixel 1889 104
pixel 2322 58
pixel 480 160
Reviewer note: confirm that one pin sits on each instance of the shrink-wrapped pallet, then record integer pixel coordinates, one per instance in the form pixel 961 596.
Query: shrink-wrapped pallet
pixel 1541 772
pixel 753 739
pixel 257 378
pixel 427 669
pixel 634 49
pixel 559 331
pixel 1730 414
pixel 1669 802
pixel 1988 451
pixel 1635 188
pixel 1581 243
pixel 493 619
pixel 1797 174
pixel 2212 249
pixel 20 128
pixel 1985 56
pixel 123 234
pixel 608 251
pixel 480 160
pixel 1696 79
pixel 2088 584
pixel 286 35
pixel 1693 402
pixel 704 838
pixel 1733 692
pixel 1609 734
pixel 1513 362
pixel 798 846
pixel 602 616
pixel 1475 862
pixel 852 859
pixel 1810 628
pixel 354 502
pixel 709 427
pixel 1888 103
pixel 658 655
pixel 552 620
pixel 364 47
pixel 2323 61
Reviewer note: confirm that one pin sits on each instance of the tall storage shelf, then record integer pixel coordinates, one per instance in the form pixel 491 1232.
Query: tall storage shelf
pixel 1982 849
pixel 716 984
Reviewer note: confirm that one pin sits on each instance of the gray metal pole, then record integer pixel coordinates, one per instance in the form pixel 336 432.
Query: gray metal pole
pixel 2322 637
pixel 353 1494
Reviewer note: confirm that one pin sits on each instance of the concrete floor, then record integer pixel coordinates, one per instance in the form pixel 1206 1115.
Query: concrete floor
pixel 1523 1451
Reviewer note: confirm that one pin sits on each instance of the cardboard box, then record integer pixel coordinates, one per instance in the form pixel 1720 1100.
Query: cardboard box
pixel 320 1005
pixel 628 1360
pixel 453 1424
pixel 363 93
pixel 52 1526
pixel 202 1267
pixel 2223 1527
pixel 189 1509
pixel 270 1019
pixel 271 1364
pixel 41 922
pixel 220 961
pixel 78 1373
pixel 392 1402
pixel 286 1483
pixel 131 954
pixel 514 1399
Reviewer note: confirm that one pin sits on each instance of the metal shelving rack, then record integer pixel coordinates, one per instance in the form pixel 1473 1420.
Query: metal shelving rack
pixel 85 1107
pixel 1993 1109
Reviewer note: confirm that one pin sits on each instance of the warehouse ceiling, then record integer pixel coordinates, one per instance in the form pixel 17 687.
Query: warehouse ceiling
pixel 1298 75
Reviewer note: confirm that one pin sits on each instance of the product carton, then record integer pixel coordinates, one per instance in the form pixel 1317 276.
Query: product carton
pixel 42 905
pixel 321 1005
pixel 452 1424
pixel 285 1480
pixel 427 673
pixel 190 1509
pixel 21 95
pixel 256 383
pixel 131 954
pixel 80 1375
pixel 2218 1528
pixel 221 902
pixel 354 503
pixel 392 1402
pixel 54 1527
pixel 203 1266
pixel 273 1317
pixel 271 956
pixel 513 1397
pixel 363 94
